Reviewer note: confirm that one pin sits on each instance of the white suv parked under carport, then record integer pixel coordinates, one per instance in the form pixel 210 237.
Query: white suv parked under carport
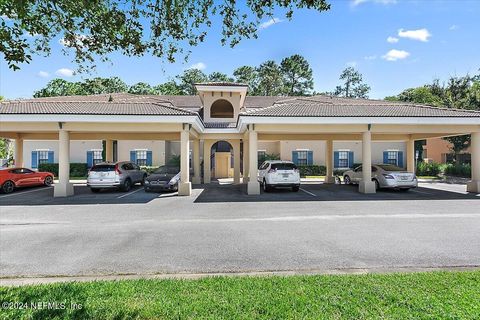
pixel 277 173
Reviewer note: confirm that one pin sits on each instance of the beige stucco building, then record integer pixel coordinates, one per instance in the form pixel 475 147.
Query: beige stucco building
pixel 206 129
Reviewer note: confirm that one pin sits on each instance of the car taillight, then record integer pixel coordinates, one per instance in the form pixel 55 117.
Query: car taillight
pixel 272 170
pixel 388 176
pixel 117 171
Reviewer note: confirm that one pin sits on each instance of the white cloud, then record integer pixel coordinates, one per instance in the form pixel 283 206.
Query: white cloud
pixel 269 23
pixel 64 72
pixel 43 74
pixel 79 39
pixel 392 40
pixel 373 57
pixel 420 34
pixel 198 65
pixel 453 27
pixel 352 64
pixel 359 2
pixel 394 55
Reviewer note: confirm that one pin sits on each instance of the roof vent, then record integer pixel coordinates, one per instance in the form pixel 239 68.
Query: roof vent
pixel 110 99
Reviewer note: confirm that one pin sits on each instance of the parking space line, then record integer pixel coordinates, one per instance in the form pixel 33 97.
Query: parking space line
pixel 127 194
pixel 24 192
pixel 308 192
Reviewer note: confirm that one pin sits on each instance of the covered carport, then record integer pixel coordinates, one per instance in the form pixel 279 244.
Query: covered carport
pixel 335 119
pixel 67 121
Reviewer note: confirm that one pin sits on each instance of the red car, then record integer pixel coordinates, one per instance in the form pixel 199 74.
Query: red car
pixel 11 178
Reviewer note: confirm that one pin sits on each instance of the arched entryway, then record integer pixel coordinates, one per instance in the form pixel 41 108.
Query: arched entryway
pixel 221 156
pixel 222 160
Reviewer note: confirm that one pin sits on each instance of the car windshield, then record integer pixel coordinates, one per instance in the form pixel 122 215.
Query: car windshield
pixel 284 166
pixel 167 170
pixel 390 167
pixel 103 167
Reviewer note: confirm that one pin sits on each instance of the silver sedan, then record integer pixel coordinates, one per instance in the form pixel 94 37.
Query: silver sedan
pixel 384 176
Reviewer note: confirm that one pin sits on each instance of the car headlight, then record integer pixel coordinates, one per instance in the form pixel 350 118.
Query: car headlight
pixel 174 180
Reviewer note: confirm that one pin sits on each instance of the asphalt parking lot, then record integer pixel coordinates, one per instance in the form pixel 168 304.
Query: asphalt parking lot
pixel 235 193
pixel 221 229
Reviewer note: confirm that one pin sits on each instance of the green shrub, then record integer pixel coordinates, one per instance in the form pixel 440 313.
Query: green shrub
pixel 459 170
pixel 428 169
pixel 312 170
pixel 76 169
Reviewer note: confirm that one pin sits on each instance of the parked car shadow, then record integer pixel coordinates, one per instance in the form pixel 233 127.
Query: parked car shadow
pixel 44 196
pixel 323 192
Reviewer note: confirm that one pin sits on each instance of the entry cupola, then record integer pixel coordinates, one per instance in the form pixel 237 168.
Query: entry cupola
pixel 222 101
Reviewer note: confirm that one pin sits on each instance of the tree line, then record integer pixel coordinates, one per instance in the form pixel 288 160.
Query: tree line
pixel 293 76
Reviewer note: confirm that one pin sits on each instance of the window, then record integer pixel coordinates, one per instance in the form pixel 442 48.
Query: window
pixel 221 109
pixel 97 156
pixel 392 157
pixel 343 159
pixel 42 156
pixel 261 156
pixel 302 159
pixel 141 157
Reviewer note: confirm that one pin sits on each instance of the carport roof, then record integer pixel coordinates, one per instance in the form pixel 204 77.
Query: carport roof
pixel 327 106
pixel 92 108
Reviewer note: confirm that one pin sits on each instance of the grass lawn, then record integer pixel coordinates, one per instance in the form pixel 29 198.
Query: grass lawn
pixel 434 295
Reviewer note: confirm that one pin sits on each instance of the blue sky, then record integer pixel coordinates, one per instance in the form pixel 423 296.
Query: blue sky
pixel 395 44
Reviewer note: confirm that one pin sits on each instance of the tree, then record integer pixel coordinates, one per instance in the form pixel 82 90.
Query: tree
pixel 247 75
pixel 219 77
pixel 420 95
pixel 297 76
pixel 103 85
pixel 59 87
pixel 168 88
pixel 141 88
pixel 188 80
pixel 269 79
pixel 458 144
pixel 353 86
pixel 164 29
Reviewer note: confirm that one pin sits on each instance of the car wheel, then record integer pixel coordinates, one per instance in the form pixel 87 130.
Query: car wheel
pixel 295 188
pixel 377 184
pixel 347 180
pixel 95 190
pixel 404 189
pixel 143 180
pixel 266 187
pixel 48 181
pixel 8 187
pixel 127 185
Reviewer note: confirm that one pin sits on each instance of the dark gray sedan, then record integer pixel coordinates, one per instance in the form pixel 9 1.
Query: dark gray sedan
pixel 164 178
pixel 384 176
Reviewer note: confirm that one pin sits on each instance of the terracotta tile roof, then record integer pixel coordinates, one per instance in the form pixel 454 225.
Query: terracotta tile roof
pixel 91 108
pixel 219 125
pixel 325 106
pixel 222 83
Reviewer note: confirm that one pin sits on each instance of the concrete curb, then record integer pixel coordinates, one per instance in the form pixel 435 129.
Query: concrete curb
pixel 21 281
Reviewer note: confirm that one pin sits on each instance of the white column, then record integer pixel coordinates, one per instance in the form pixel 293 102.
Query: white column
pixel 196 162
pixel 18 155
pixel 236 161
pixel 253 186
pixel 109 150
pixel 329 178
pixel 63 188
pixel 185 186
pixel 207 152
pixel 367 185
pixel 474 185
pixel 411 156
pixel 246 159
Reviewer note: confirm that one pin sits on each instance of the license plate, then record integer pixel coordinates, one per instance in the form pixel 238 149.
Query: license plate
pixel 404 178
pixel 102 174
pixel 285 175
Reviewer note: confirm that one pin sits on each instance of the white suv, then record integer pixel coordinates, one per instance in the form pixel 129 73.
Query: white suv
pixel 277 173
